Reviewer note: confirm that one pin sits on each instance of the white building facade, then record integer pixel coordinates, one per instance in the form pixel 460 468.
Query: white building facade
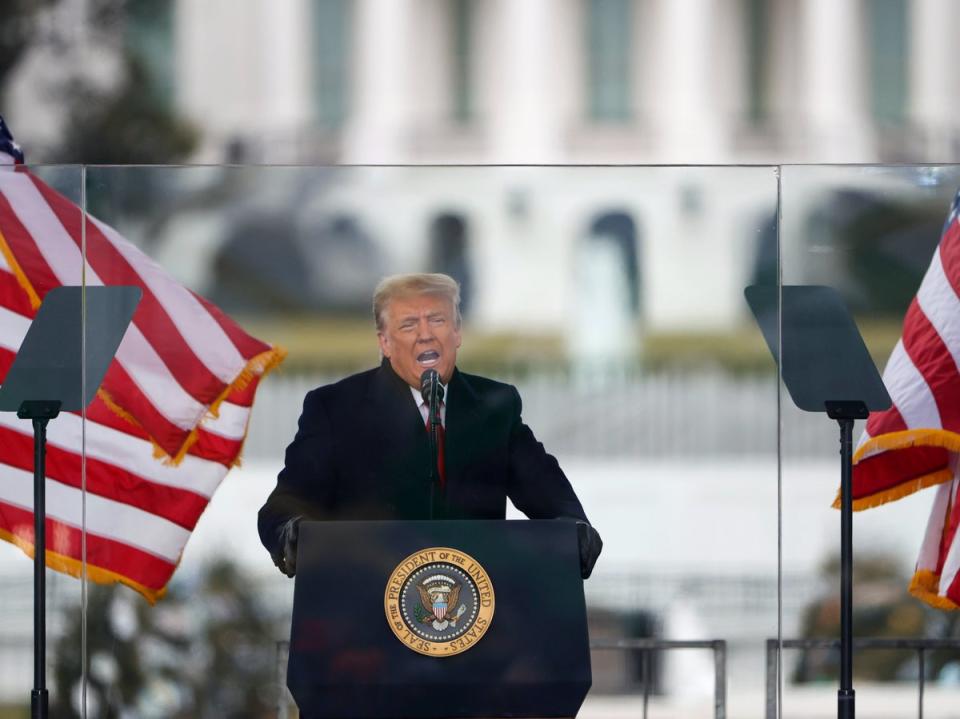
pixel 558 82
pixel 570 81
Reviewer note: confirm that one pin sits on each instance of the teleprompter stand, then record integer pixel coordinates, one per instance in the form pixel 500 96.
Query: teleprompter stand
pixel 826 368
pixel 59 367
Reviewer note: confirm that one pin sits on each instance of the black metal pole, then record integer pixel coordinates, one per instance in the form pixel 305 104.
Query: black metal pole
pixel 432 477
pixel 432 392
pixel 645 658
pixel 433 432
pixel 845 696
pixel 922 673
pixel 39 698
pixel 39 412
pixel 435 424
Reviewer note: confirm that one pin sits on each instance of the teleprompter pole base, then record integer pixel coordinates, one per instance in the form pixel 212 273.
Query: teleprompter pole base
pixel 845 702
pixel 39 704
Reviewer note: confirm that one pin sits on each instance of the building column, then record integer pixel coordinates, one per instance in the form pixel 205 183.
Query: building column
pixel 933 82
pixel 287 91
pixel 525 120
pixel 221 103
pixel 681 87
pixel 835 82
pixel 381 88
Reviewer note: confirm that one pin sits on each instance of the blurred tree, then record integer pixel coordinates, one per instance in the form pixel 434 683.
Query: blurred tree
pixel 882 608
pixel 132 120
pixel 19 33
pixel 880 247
pixel 125 116
pixel 123 125
pixel 206 650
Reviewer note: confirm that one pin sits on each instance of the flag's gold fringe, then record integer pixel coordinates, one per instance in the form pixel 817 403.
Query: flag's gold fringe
pixel 260 365
pixel 257 366
pixel 910 438
pixel 73 567
pixel 18 272
pixel 925 587
pixel 115 408
pixel 903 440
pixel 898 491
pixel 158 451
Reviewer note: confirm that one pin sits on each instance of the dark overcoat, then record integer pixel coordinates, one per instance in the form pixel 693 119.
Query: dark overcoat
pixel 362 452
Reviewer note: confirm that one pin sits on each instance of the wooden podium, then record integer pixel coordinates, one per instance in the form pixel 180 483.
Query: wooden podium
pixel 401 620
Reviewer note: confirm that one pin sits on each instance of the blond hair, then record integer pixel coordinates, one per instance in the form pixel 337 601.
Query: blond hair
pixel 423 283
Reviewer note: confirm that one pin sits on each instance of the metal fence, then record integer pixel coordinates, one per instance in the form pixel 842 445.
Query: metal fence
pixel 620 412
pixel 920 646
pixel 719 648
pixel 648 646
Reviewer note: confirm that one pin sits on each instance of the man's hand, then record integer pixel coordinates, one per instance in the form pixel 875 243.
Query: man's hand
pixel 286 558
pixel 590 546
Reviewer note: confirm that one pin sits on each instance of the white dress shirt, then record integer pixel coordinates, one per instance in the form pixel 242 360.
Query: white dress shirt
pixel 425 408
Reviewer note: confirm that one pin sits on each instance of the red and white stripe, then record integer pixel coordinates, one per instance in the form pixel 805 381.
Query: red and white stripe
pixel 914 444
pixel 177 375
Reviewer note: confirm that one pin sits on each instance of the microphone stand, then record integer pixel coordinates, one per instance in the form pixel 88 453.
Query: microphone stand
pixel 433 422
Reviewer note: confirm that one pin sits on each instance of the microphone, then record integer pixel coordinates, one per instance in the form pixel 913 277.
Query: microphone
pixel 430 388
pixel 432 392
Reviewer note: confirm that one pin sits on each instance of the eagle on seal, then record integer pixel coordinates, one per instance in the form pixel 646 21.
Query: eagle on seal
pixel 436 599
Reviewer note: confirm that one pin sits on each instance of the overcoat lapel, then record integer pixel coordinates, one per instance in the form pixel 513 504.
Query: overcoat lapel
pixel 388 391
pixel 396 422
pixel 463 424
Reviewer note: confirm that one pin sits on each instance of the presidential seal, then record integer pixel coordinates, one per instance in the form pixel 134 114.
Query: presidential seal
pixel 439 601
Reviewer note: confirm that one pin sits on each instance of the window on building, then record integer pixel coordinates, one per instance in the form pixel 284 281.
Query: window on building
pixel 608 60
pixel 888 42
pixel 331 22
pixel 618 230
pixel 149 38
pixel 461 20
pixel 450 253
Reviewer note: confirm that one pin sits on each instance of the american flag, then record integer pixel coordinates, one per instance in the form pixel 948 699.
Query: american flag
pixel 914 444
pixel 168 422
pixel 10 152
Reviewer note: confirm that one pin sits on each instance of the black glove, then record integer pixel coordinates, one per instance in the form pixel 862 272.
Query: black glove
pixel 286 558
pixel 590 547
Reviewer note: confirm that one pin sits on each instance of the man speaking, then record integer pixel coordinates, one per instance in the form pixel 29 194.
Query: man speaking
pixel 363 450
